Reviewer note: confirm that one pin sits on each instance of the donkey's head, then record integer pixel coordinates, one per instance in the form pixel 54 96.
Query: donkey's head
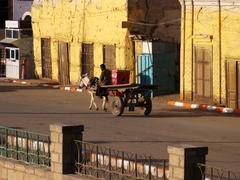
pixel 84 81
pixel 88 82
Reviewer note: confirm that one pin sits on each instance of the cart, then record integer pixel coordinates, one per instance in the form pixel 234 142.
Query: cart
pixel 130 96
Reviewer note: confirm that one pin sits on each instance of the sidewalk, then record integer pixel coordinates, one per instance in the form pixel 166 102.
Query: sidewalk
pixel 171 101
pixel 29 81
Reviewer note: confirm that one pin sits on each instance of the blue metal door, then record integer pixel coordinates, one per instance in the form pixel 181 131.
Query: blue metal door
pixel 144 69
pixel 159 68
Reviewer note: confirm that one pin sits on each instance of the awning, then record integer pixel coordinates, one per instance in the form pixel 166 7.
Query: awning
pixel 8 42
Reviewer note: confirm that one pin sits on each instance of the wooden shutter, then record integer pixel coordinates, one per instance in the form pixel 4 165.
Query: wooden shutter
pixel 63 57
pixel 199 72
pixel 109 56
pixel 238 82
pixel 231 84
pixel 87 59
pixel 203 71
pixel 46 58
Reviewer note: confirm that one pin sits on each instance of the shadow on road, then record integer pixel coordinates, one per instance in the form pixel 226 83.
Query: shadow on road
pixel 166 141
pixel 15 88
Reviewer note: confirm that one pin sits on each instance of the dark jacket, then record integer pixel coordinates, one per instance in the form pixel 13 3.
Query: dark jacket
pixel 106 77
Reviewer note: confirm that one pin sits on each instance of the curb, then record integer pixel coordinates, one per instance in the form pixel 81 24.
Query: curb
pixel 204 107
pixel 47 85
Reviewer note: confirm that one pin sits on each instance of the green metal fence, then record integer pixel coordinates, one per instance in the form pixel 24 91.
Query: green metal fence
pixel 25 146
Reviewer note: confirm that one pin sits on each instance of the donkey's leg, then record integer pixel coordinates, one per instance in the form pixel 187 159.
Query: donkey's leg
pixel 104 103
pixel 94 103
pixel 91 100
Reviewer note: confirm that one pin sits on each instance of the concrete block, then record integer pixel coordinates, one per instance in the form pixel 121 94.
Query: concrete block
pixel 55 157
pixel 10 174
pixel 52 147
pixel 174 160
pixel 52 167
pixel 3 173
pixel 171 171
pixel 40 172
pixel 18 175
pixel 20 167
pixel 176 151
pixel 30 170
pixel 58 168
pixel 178 173
pixel 9 165
pixel 49 175
pixel 56 128
pixel 181 162
pixel 54 137
pixel 57 176
pixel 58 148
pixel 60 138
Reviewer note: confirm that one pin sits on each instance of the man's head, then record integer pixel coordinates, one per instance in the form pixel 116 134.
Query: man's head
pixel 103 67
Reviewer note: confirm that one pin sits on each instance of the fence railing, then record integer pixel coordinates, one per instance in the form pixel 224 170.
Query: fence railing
pixel 214 173
pixel 106 163
pixel 25 146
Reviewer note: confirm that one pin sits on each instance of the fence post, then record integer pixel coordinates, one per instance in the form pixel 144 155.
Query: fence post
pixel 62 148
pixel 183 161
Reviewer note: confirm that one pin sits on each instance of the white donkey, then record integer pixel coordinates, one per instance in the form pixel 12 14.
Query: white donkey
pixel 92 85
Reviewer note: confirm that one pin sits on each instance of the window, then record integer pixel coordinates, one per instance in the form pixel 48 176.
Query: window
pixel 1 53
pixel 8 34
pixel 15 34
pixel 12 33
pixel 12 53
pixel 17 54
pixel 7 53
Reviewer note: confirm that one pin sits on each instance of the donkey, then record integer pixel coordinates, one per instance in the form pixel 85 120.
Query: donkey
pixel 92 86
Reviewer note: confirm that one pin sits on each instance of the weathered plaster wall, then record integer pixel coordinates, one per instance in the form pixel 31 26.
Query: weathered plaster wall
pixel 89 21
pixel 165 14
pixel 209 24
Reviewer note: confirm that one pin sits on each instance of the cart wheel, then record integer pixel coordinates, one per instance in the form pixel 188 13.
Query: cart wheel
pixel 147 106
pixel 117 106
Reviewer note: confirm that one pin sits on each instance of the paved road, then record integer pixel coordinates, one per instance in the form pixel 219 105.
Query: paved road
pixel 35 108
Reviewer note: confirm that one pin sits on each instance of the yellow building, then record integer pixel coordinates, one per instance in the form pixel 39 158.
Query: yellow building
pixel 210 58
pixel 76 36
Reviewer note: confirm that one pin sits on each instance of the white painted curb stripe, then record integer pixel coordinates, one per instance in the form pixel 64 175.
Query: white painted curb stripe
pixel 14 81
pixel 208 108
pixel 23 82
pixel 179 104
pixel 211 108
pixel 55 87
pixel 194 106
pixel 228 110
pixel 79 90
pixel 67 88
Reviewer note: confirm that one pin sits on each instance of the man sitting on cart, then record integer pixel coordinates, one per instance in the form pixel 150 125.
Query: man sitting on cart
pixel 105 79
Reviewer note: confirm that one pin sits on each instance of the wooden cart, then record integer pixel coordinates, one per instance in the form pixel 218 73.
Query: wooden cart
pixel 130 96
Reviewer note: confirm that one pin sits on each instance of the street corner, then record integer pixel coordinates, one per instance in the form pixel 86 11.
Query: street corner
pixel 203 107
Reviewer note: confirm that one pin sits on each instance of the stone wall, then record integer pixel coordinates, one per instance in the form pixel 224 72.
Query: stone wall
pixel 15 170
pixel 182 160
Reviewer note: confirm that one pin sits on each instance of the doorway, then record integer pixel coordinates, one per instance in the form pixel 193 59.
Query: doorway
pixel 203 74
pixel 109 56
pixel 46 58
pixel 87 59
pixel 63 64
pixel 233 83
